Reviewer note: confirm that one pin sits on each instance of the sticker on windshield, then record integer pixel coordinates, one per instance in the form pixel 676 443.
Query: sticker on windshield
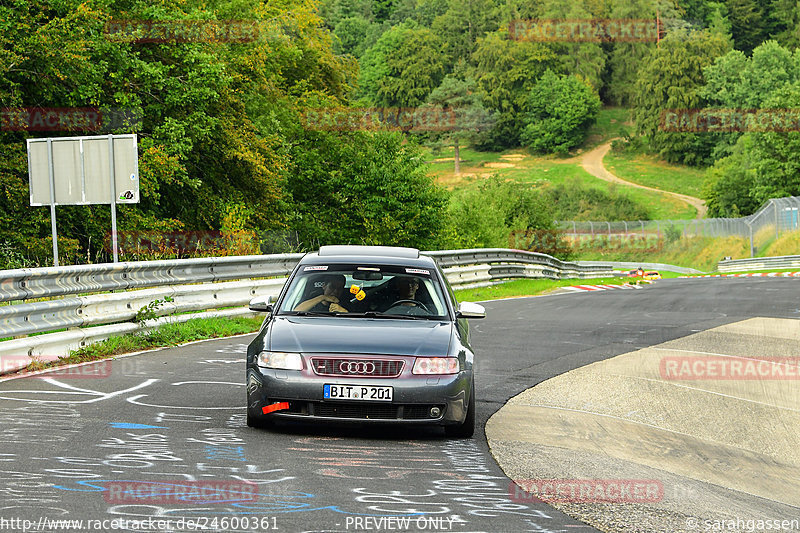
pixel 418 271
pixel 315 268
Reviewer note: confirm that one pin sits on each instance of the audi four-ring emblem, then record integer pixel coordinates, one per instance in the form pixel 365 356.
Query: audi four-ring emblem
pixel 356 367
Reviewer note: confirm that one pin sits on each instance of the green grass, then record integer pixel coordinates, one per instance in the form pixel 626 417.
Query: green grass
pixel 528 287
pixel 164 335
pixel 610 122
pixel 651 172
pixel 521 166
pixel 701 253
pixel 526 168
pixel 659 206
pixel 768 271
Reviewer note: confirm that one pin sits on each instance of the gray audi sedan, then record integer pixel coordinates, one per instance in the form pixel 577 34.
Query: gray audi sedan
pixel 367 334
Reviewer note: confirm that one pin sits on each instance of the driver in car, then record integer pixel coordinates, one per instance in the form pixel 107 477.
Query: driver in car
pixel 332 288
pixel 404 291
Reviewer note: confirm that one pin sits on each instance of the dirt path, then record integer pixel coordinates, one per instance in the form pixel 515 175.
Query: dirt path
pixel 592 162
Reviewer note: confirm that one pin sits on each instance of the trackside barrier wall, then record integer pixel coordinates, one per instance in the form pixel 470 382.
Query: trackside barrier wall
pixel 216 286
pixel 631 265
pixel 761 263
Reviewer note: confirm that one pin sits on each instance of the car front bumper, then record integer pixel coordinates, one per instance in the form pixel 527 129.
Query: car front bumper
pixel 414 397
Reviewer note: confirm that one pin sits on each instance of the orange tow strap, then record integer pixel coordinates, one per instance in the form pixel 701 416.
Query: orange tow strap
pixel 274 407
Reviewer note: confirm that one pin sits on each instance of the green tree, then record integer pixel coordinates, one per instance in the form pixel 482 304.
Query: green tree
pixel 762 165
pixel 738 82
pixel 363 188
pixel 403 67
pixel 625 58
pixel 464 23
pixel 730 183
pixel 672 78
pixel 586 59
pixel 505 71
pixel 213 112
pixel 774 153
pixel 487 216
pixel 463 116
pixel 748 23
pixel 734 80
pixel 560 111
pixel 351 33
pixel 784 22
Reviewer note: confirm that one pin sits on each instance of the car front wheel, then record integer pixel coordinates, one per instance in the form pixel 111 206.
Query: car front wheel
pixel 466 429
pixel 257 421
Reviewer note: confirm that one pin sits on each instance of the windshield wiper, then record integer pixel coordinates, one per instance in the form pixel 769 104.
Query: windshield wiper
pixel 309 313
pixel 374 314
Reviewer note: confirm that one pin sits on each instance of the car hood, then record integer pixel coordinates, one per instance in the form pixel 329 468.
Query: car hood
pixel 359 335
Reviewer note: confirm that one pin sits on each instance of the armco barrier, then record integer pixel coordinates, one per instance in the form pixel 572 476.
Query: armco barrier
pixel 27 283
pixel 759 263
pixel 203 284
pixel 631 265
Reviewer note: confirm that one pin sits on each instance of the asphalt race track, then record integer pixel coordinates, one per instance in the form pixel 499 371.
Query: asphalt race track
pixel 158 442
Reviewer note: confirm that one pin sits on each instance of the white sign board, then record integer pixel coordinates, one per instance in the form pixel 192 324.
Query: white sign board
pixel 81 170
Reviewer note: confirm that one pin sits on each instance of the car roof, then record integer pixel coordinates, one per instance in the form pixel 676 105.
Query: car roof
pixel 376 255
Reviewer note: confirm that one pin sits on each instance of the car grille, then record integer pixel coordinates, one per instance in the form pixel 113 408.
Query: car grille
pixel 382 412
pixel 330 366
pixel 369 411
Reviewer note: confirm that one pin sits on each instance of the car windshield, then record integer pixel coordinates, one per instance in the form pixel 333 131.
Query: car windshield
pixel 365 290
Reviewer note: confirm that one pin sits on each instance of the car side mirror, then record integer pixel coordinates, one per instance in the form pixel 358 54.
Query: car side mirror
pixel 470 310
pixel 263 304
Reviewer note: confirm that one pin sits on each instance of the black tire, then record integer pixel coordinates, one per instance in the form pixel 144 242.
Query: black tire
pixel 256 421
pixel 466 429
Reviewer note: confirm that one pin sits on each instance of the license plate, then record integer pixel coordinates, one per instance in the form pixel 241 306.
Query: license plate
pixel 370 393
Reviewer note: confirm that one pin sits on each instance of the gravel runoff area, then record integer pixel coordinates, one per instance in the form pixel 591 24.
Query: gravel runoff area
pixel 726 452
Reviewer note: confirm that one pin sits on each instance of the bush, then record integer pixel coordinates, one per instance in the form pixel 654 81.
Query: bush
pixel 499 214
pixel 672 233
pixel 575 201
pixel 561 110
pixel 364 188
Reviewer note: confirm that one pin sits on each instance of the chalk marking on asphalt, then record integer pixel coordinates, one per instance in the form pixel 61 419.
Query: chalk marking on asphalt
pixel 100 395
pixel 134 401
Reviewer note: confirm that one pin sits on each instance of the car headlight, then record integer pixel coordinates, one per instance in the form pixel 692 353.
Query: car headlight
pixel 280 360
pixel 435 365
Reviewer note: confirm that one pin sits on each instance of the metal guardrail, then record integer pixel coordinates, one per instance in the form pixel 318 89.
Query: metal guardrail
pixel 759 263
pixel 29 283
pixel 631 265
pixel 39 317
pixel 200 284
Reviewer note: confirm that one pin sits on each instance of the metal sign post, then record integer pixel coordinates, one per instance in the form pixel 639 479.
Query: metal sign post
pixel 112 184
pixel 52 180
pixel 84 171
